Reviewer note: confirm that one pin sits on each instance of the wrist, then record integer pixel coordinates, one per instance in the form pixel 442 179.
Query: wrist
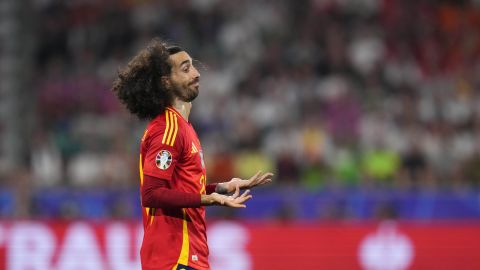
pixel 222 188
pixel 206 200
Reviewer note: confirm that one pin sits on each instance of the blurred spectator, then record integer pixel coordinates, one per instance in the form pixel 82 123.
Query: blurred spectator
pixel 248 163
pixel 346 167
pixel 414 165
pixel 381 164
pixel 221 167
pixel 46 161
pixel 287 168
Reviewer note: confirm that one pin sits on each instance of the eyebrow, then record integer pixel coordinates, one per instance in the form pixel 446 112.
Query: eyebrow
pixel 185 62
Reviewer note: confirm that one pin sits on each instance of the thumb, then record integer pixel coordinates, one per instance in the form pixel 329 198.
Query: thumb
pixel 237 192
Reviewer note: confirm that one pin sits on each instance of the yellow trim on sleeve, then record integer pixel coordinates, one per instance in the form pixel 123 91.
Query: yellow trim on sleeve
pixel 140 169
pixel 152 215
pixel 144 135
pixel 170 131
pixel 167 120
pixel 175 131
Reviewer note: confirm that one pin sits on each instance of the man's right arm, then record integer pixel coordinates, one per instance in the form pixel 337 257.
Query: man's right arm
pixel 156 193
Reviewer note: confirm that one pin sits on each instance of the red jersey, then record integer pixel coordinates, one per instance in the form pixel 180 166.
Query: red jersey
pixel 170 150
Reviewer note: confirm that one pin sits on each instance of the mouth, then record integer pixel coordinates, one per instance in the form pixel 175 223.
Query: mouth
pixel 195 84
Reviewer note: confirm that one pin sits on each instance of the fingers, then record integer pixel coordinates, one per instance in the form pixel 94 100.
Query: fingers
pixel 245 193
pixel 254 180
pixel 266 176
pixel 238 201
pixel 262 179
pixel 244 197
pixel 255 176
pixel 236 205
pixel 237 192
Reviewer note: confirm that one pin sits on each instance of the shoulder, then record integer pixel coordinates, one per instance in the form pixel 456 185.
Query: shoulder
pixel 166 129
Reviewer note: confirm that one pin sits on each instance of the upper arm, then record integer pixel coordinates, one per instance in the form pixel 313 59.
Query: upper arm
pixel 164 150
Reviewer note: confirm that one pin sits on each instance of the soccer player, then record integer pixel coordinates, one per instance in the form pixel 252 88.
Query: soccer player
pixel 159 84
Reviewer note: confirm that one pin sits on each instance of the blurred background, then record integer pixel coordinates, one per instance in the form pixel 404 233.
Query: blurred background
pixel 364 109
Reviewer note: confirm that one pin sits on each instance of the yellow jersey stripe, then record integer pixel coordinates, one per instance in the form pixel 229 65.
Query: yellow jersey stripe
pixel 140 167
pixel 167 120
pixel 152 215
pixel 173 111
pixel 144 135
pixel 172 127
pixel 183 258
pixel 147 210
pixel 176 129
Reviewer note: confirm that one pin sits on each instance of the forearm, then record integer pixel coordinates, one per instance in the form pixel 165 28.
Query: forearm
pixel 157 194
pixel 206 199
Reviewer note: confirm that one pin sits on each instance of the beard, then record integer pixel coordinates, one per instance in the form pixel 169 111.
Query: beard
pixel 186 93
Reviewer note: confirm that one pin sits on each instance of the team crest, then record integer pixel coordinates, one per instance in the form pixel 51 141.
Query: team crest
pixel 163 160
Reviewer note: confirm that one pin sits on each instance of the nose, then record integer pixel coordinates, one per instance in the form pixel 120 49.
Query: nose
pixel 196 74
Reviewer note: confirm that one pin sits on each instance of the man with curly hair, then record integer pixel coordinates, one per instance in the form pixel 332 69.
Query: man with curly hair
pixel 159 84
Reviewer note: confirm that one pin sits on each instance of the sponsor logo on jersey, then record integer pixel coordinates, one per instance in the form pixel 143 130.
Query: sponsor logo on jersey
pixel 194 149
pixel 163 160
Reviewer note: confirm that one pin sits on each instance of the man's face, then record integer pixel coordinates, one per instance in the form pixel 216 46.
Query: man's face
pixel 185 79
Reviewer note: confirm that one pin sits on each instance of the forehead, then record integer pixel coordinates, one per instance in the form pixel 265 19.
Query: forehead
pixel 177 59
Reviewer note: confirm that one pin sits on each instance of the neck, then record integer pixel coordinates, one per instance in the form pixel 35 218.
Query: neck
pixel 182 107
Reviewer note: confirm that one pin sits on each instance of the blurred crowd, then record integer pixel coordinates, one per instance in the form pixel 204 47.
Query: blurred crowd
pixel 325 93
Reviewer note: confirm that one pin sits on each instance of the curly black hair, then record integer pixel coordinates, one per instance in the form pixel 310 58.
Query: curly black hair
pixel 139 85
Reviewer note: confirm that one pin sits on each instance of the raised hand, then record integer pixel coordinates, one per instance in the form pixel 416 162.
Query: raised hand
pixel 257 179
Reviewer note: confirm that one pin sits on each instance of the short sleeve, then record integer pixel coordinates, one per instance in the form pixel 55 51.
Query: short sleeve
pixel 164 149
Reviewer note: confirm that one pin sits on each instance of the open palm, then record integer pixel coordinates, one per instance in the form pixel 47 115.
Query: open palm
pixel 236 200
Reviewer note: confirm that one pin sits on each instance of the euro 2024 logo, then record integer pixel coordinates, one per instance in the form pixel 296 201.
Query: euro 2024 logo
pixel 163 160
